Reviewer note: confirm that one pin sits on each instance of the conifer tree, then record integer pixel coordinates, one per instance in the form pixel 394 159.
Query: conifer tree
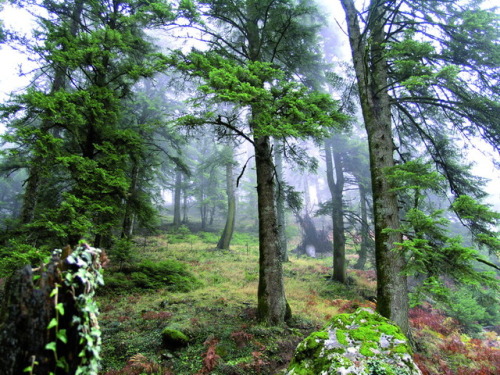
pixel 435 65
pixel 72 134
pixel 251 40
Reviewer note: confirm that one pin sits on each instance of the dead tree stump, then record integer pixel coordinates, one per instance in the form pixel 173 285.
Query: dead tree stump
pixel 45 323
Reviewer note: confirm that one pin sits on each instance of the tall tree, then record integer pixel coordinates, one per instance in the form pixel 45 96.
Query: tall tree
pixel 411 56
pixel 336 181
pixel 251 39
pixel 96 51
pixel 227 233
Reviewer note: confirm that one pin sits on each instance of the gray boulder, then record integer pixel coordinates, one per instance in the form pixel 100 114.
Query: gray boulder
pixel 362 343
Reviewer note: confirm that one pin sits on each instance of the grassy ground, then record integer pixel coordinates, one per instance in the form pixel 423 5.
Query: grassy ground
pixel 218 317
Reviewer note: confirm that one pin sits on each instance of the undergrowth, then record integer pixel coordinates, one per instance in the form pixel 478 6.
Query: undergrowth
pixel 218 314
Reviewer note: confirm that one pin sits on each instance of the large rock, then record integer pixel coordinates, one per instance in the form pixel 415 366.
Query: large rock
pixel 362 343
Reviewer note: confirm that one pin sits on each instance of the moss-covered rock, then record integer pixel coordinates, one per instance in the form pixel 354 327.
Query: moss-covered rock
pixel 173 339
pixel 363 343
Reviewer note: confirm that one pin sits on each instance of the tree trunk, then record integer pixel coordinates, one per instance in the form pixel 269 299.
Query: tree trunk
pixel 272 306
pixel 129 217
pixel 365 229
pixel 185 208
pixel 312 239
pixel 227 234
pixel 30 197
pixel 371 73
pixel 280 201
pixel 27 309
pixel 177 198
pixel 336 187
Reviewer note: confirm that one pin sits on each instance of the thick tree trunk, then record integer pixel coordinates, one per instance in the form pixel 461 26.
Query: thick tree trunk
pixel 272 306
pixel 177 198
pixel 334 168
pixel 280 201
pixel 371 73
pixel 227 234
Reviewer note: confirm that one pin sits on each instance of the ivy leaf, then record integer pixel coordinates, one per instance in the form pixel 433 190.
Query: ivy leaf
pixel 61 335
pixel 60 308
pixel 51 346
pixel 53 323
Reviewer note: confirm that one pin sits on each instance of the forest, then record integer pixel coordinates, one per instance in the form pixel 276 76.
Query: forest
pixel 241 186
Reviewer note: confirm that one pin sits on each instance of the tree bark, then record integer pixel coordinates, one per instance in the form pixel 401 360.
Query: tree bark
pixel 272 307
pixel 335 168
pixel 280 201
pixel 371 73
pixel 227 234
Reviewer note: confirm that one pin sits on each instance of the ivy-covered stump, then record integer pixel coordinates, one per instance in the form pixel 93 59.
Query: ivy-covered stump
pixel 362 343
pixel 48 317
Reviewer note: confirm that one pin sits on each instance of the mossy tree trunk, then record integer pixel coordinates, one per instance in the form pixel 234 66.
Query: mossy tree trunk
pixel 372 76
pixel 272 305
pixel 365 229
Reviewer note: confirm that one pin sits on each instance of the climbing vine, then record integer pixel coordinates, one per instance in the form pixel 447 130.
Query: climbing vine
pixel 79 275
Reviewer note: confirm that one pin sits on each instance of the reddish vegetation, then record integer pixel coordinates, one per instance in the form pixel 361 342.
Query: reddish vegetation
pixel 138 365
pixel 427 317
pixel 443 350
pixel 154 315
pixel 241 338
pixel 210 357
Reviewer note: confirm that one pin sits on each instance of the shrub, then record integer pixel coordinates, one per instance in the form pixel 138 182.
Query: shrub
pixel 122 252
pixel 16 255
pixel 170 274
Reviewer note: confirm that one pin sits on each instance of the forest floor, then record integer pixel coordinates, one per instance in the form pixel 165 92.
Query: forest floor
pixel 218 315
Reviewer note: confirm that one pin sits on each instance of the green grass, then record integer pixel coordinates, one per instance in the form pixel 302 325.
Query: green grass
pixel 217 311
pixel 218 315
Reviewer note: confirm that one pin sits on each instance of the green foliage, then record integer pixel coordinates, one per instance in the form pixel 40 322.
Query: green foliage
pixel 171 275
pixel 474 307
pixel 15 254
pixel 481 219
pixel 282 108
pixel 439 259
pixel 122 252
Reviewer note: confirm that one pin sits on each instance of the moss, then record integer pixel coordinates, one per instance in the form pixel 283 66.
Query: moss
pixel 173 339
pixel 366 348
pixel 365 334
pixel 401 349
pixel 373 343
pixel 341 337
